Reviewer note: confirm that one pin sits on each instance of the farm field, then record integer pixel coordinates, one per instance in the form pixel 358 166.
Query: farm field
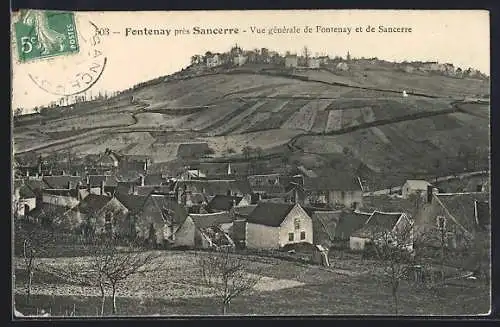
pixel 351 286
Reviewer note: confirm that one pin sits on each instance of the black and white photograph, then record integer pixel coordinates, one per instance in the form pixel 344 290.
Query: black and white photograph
pixel 250 163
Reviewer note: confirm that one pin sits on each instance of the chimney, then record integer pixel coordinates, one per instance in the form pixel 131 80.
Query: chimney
pixel 27 173
pixel 102 187
pixel 142 180
pixel 70 185
pixel 188 200
pixel 429 193
pixel 296 194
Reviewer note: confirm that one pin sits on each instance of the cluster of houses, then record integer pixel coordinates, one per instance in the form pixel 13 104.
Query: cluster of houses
pixel 238 57
pixel 119 197
pixel 446 69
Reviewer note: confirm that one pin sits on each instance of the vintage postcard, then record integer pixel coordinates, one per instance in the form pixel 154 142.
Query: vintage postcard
pixel 205 163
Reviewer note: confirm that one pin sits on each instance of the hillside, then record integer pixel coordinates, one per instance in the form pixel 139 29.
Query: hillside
pixel 323 117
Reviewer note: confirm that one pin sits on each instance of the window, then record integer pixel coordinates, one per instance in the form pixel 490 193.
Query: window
pixel 297 223
pixel 302 235
pixel 290 236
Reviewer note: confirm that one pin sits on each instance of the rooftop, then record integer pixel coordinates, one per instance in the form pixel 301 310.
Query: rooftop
pixel 270 213
pixel 462 207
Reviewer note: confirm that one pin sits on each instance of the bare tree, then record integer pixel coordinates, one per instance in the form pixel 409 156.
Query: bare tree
pixel 109 268
pixel 121 265
pixel 89 273
pixel 226 275
pixel 306 54
pixel 394 251
pixel 247 152
pixel 32 249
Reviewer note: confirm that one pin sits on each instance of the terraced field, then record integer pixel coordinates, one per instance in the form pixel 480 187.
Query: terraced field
pixel 234 110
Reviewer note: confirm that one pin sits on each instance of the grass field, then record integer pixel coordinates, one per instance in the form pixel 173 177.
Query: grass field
pixel 351 286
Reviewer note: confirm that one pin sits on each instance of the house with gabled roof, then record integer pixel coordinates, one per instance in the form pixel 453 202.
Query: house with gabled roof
pixel 24 198
pixel 101 184
pixel 230 187
pixel 222 202
pixel 159 219
pixel 335 227
pixel 205 230
pixel 273 225
pixel 383 224
pixel 463 216
pixel 414 186
pixel 94 214
pixel 62 181
pixel 333 188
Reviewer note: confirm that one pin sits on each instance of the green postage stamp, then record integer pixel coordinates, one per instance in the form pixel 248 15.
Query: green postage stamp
pixel 42 34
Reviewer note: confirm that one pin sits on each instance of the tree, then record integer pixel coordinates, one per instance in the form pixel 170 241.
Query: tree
pixel 32 249
pixel 109 268
pixel 17 113
pixel 258 152
pixel 119 266
pixel 247 152
pixel 226 275
pixel 196 59
pixel 306 54
pixel 392 249
pixel 285 159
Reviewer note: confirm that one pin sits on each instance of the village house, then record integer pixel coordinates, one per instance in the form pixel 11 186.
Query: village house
pixel 271 185
pixel 323 60
pixel 242 212
pixel 65 197
pixel 414 186
pixel 383 226
pixel 211 170
pixel 94 215
pixel 24 198
pixel 272 226
pixel 239 60
pixel 342 66
pixel 62 181
pixel 158 219
pixel 134 205
pixel 210 188
pixel 223 202
pixel 149 189
pixel 189 174
pixel 334 228
pixel 101 184
pixel 462 217
pixel 36 185
pixel 205 231
pixel 313 63
pixel 291 61
pixel 334 189
pixel 154 179
pixel 214 61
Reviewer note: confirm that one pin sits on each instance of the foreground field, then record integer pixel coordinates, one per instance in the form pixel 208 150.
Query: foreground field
pixel 351 286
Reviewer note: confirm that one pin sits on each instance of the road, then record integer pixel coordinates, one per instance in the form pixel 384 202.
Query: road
pixel 439 179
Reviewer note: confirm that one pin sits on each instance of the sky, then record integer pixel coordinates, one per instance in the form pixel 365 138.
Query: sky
pixel 460 37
